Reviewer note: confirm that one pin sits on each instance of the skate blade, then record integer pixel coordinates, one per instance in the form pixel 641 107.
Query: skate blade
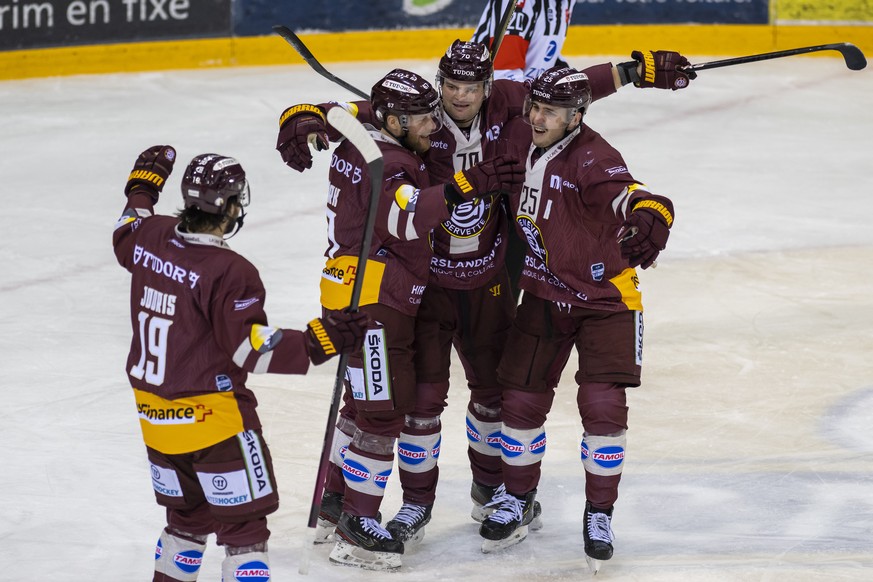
pixel 593 564
pixel 414 541
pixel 324 531
pixel 516 537
pixel 536 524
pixel 348 554
pixel 480 512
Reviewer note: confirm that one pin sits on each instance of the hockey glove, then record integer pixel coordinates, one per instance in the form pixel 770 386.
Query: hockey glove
pixel 660 69
pixel 300 126
pixel 502 173
pixel 644 234
pixel 339 333
pixel 150 171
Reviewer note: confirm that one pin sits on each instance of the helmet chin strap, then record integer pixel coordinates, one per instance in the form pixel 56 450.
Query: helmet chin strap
pixel 235 225
pixel 403 138
pixel 404 129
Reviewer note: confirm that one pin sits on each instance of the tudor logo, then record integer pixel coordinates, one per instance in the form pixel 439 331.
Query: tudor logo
pixel 389 84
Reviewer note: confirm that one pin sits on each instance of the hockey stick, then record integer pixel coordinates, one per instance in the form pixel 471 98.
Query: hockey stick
pixel 310 59
pixel 851 54
pixel 352 129
pixel 500 32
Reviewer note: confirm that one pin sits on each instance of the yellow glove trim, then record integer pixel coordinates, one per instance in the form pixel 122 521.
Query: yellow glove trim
pixel 649 60
pixel 322 337
pixel 150 177
pixel 298 109
pixel 463 184
pixel 657 207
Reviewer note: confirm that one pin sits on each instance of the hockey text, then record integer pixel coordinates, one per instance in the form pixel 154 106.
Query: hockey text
pixel 154 300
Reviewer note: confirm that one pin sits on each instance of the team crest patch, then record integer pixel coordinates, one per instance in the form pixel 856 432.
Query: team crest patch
pixel 597 271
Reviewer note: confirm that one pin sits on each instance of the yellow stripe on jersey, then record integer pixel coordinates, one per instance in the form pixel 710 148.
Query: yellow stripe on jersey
pixel 125 219
pixel 406 197
pixel 628 283
pixel 187 424
pixel 338 278
pixel 351 107
pixel 261 337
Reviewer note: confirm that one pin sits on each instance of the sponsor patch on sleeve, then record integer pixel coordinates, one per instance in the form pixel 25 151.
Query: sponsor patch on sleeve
pixel 240 304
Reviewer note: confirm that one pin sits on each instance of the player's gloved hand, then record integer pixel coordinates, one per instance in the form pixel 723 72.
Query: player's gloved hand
pixel 503 173
pixel 300 126
pixel 662 70
pixel 644 234
pixel 339 333
pixel 151 170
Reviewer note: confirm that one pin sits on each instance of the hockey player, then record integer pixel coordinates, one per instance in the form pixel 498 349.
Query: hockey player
pixel 588 224
pixel 381 385
pixel 533 39
pixel 199 328
pixel 469 301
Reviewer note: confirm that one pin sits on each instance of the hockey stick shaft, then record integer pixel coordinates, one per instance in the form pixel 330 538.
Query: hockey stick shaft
pixel 853 56
pixel 352 129
pixel 310 60
pixel 500 32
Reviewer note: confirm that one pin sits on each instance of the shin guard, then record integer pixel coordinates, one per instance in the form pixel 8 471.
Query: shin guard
pixel 483 436
pixel 603 455
pixel 483 447
pixel 418 447
pixel 418 450
pixel 522 453
pixel 246 567
pixel 178 557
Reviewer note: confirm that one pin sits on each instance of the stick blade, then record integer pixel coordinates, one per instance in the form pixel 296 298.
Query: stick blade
pixel 345 123
pixel 853 56
pixel 292 39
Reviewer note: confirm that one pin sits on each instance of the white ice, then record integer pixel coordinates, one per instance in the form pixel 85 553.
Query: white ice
pixel 750 453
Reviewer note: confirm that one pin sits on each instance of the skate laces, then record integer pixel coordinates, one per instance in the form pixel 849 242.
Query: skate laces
pixel 410 514
pixel 508 507
pixel 374 528
pixel 599 527
pixel 483 491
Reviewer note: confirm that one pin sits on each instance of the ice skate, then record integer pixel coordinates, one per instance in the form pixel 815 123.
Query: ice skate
pixel 408 525
pixel 328 516
pixel 510 520
pixel 598 536
pixel 481 495
pixel 362 542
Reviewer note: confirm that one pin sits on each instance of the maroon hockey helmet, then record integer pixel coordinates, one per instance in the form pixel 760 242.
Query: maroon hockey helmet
pixel 466 62
pixel 211 180
pixel 402 92
pixel 560 87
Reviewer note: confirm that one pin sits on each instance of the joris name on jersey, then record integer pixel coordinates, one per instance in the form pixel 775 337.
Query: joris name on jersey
pixel 154 300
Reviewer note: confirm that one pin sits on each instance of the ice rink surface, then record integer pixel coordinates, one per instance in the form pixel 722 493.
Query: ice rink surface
pixel 750 453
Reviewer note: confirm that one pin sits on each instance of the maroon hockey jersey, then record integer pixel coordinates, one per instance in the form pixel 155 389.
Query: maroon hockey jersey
pixel 409 207
pixel 470 243
pixel 199 328
pixel 574 200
